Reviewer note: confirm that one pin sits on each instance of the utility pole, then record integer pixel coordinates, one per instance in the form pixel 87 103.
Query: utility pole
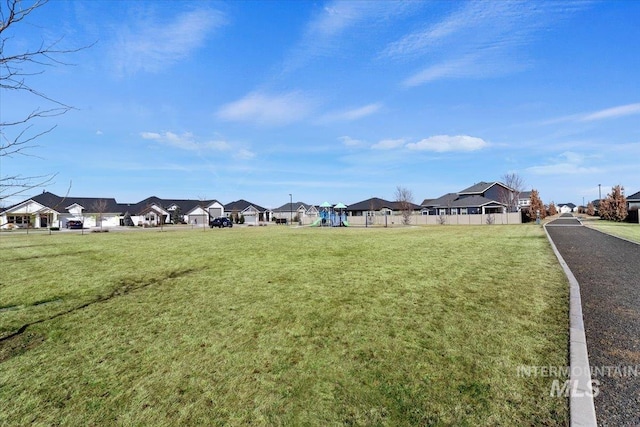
pixel 290 209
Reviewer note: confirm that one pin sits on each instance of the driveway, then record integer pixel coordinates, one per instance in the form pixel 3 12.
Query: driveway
pixel 608 271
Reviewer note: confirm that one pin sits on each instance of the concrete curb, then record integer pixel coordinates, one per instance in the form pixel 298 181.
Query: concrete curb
pixel 581 406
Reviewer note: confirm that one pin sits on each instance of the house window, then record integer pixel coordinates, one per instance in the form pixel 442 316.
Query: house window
pixel 454 211
pixel 442 211
pixel 463 211
pixel 19 219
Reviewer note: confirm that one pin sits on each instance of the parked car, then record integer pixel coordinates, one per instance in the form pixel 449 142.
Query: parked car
pixel 75 225
pixel 221 222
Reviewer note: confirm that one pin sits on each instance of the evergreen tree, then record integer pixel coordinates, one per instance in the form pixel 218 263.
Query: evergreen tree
pixel 176 216
pixel 536 205
pixel 614 207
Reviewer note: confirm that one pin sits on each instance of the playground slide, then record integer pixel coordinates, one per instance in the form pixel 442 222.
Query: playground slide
pixel 346 223
pixel 315 223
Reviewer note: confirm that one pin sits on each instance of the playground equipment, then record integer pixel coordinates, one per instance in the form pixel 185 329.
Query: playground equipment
pixel 332 216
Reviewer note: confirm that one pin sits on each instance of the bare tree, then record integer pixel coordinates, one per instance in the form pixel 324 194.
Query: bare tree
pixel 404 200
pixel 18 135
pixel 511 196
pixel 100 208
pixel 552 209
pixel 591 210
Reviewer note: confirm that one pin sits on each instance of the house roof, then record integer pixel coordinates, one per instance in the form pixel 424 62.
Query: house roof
pixel 442 201
pixel 571 205
pixel 634 197
pixel 376 203
pixel 482 187
pixel 89 204
pixel 185 205
pixel 525 195
pixel 293 207
pixel 242 205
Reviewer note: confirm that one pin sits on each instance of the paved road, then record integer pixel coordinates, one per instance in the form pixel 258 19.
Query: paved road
pixel 608 270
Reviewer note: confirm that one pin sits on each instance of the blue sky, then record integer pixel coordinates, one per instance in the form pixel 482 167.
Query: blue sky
pixel 334 101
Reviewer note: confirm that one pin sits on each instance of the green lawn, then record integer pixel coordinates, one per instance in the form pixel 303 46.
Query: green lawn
pixel 621 229
pixel 279 326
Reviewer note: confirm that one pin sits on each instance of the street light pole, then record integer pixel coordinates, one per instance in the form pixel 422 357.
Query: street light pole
pixel 290 209
pixel 599 192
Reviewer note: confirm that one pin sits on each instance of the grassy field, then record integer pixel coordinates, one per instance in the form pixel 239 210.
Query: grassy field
pixel 278 326
pixel 621 229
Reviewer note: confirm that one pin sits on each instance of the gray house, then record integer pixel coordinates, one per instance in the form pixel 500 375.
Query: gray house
pixel 377 206
pixel 480 198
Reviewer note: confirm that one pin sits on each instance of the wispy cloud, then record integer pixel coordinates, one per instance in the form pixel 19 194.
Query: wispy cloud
pixel 352 114
pixel 607 113
pixel 266 109
pixel 479 39
pixel 324 34
pixel 186 141
pixel 151 45
pixel 610 113
pixel 567 163
pixel 446 143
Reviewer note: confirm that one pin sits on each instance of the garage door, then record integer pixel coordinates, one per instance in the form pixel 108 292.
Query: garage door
pixel 250 219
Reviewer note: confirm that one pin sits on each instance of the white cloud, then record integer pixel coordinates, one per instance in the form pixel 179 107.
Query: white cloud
pixel 186 141
pixel 99 132
pixel 353 114
pixel 388 144
pixel 244 154
pixel 266 109
pixel 445 143
pixel 351 142
pixel 150 45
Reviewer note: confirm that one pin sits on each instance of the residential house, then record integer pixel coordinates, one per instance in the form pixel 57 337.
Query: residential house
pixel 567 208
pixel 50 210
pixel 252 213
pixel 153 211
pixel 633 202
pixel 480 198
pixel 378 207
pixel 524 200
pixel 300 210
pixel 633 207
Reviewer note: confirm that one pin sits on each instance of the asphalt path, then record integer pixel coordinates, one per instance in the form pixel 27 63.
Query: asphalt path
pixel 608 271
